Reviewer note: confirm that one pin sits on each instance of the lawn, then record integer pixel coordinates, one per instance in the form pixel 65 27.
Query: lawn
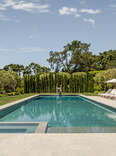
pixel 8 99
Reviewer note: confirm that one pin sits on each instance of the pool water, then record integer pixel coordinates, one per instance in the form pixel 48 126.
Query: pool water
pixel 65 114
pixel 18 127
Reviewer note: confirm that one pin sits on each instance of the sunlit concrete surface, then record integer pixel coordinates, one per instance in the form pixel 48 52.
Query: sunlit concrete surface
pixel 105 101
pixel 58 145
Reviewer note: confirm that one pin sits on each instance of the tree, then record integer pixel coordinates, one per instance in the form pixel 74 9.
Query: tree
pixel 103 76
pixel 14 67
pixel 9 80
pixel 75 57
pixel 34 69
pixel 106 60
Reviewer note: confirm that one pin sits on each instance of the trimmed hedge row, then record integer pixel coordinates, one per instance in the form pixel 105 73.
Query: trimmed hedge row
pixel 70 83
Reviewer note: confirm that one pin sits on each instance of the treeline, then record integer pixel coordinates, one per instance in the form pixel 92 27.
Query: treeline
pixel 78 82
pixel 74 69
pixel 21 70
pixel 75 57
pixel 70 83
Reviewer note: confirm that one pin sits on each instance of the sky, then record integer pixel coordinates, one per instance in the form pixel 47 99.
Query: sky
pixel 30 29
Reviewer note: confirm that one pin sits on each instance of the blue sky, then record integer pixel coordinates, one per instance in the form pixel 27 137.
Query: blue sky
pixel 29 29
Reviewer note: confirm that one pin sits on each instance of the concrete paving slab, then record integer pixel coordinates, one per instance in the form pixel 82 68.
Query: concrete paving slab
pixel 58 145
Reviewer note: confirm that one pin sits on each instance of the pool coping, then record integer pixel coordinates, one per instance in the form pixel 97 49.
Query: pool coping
pixel 102 100
pixel 107 102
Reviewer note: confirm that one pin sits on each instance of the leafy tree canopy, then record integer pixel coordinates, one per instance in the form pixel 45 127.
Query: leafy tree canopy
pixel 9 80
pixel 77 57
pixel 32 68
pixel 106 60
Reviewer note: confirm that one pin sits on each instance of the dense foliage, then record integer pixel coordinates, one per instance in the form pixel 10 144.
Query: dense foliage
pixel 9 81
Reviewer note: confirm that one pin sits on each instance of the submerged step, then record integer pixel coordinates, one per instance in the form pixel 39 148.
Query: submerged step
pixel 81 130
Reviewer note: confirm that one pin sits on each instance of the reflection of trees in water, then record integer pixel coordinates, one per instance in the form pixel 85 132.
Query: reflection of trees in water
pixel 62 111
pixel 67 112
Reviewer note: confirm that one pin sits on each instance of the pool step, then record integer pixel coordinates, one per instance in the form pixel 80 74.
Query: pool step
pixel 81 130
pixel 23 127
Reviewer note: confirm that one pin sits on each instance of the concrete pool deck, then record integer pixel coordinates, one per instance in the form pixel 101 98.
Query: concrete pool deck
pixel 58 145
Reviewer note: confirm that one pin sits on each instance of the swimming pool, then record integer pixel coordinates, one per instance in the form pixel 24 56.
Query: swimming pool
pixel 65 114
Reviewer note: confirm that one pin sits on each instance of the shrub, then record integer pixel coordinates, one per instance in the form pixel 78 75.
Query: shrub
pixel 1 95
pixel 19 91
pixel 12 94
pixel 96 92
pixel 98 87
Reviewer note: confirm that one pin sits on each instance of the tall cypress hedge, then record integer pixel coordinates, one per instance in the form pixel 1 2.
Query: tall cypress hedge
pixel 49 82
pixel 90 80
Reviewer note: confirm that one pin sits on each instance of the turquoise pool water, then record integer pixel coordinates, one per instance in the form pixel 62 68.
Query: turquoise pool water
pixel 65 114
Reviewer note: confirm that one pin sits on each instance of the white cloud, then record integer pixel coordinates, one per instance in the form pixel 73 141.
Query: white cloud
pixel 30 7
pixel 25 6
pixel 90 11
pixel 4 18
pixel 2 7
pixel 33 49
pixel 8 3
pixel 90 20
pixel 75 13
pixel 69 11
pixel 19 50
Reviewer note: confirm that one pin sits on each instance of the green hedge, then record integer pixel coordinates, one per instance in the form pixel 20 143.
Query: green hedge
pixel 70 83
